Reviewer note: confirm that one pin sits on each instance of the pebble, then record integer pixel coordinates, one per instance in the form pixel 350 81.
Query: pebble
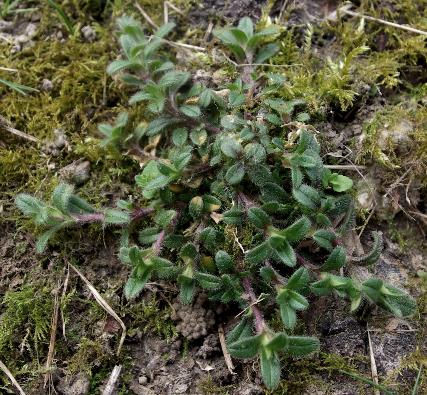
pixel 47 85
pixel 88 33
pixel 142 380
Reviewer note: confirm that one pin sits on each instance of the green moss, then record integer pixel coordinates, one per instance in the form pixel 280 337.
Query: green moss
pixel 25 324
pixel 149 317
pixel 380 145
pixel 90 354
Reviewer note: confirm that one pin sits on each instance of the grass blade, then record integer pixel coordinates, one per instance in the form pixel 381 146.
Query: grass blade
pixel 63 16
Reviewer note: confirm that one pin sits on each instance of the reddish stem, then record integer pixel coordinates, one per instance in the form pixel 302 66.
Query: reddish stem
pixel 99 217
pixel 259 318
pixel 158 244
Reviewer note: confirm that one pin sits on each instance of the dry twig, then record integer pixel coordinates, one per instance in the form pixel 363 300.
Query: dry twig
pixel 101 301
pixel 9 374
pixel 225 352
pixel 109 388
pixel 374 371
pixel 5 125
pixel 54 326
pixel 146 16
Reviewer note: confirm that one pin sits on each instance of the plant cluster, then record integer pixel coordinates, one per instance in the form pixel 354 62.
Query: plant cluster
pixel 231 201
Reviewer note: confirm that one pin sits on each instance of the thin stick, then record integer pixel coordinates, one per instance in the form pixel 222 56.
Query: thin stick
pixel 109 388
pixel 227 357
pixel 146 16
pixel 345 167
pixel 374 371
pixel 104 305
pixel 370 18
pixel 165 12
pixel 187 46
pixel 8 69
pixel 8 373
pixel 175 8
pixel 54 326
pixel 16 132
pixel 64 293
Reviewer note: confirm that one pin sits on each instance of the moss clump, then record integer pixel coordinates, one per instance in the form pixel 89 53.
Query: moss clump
pixel 396 139
pixel 149 317
pixel 25 324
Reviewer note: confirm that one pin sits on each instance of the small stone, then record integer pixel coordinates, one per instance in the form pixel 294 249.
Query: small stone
pixel 142 380
pixel 88 33
pixel 77 172
pixel 47 85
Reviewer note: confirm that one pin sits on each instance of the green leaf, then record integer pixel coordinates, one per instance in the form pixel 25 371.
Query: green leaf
pixel 179 137
pixel 148 235
pixel 298 280
pixel 135 285
pixel 43 239
pixel 208 237
pixel 372 256
pixel 195 206
pixel 270 369
pixel 299 346
pixel 174 79
pixel 258 217
pixel 119 65
pixel 116 217
pixel 29 205
pixel 340 183
pixel 190 110
pixel 198 136
pixel 242 330
pixel 208 281
pixel 233 216
pixel 205 98
pixel 297 301
pixel 325 238
pixel 235 174
pixel 223 261
pixel 245 348
pixel 266 52
pixel 164 30
pixel 231 148
pixel 278 342
pixel 236 99
pixel 288 315
pixel 285 252
pixel 158 124
pixel 61 197
pixel 297 177
pixel 335 261
pixel 164 217
pixel 298 230
pixel 246 26
pixel 186 292
pixel 255 153
pixel 307 196
pixel 258 254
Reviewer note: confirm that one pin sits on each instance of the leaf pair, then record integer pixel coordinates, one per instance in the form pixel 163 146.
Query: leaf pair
pixel 243 41
pixel 267 346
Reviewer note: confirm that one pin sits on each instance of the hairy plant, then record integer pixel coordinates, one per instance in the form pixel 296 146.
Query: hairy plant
pixel 234 203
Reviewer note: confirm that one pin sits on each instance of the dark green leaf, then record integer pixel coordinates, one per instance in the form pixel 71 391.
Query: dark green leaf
pixel 235 174
pixel 258 217
pixel 300 345
pixel 270 369
pixel 335 261
pixel 245 348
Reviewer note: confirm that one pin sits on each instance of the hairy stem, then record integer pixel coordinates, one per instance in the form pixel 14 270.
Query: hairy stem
pixel 99 217
pixel 258 316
